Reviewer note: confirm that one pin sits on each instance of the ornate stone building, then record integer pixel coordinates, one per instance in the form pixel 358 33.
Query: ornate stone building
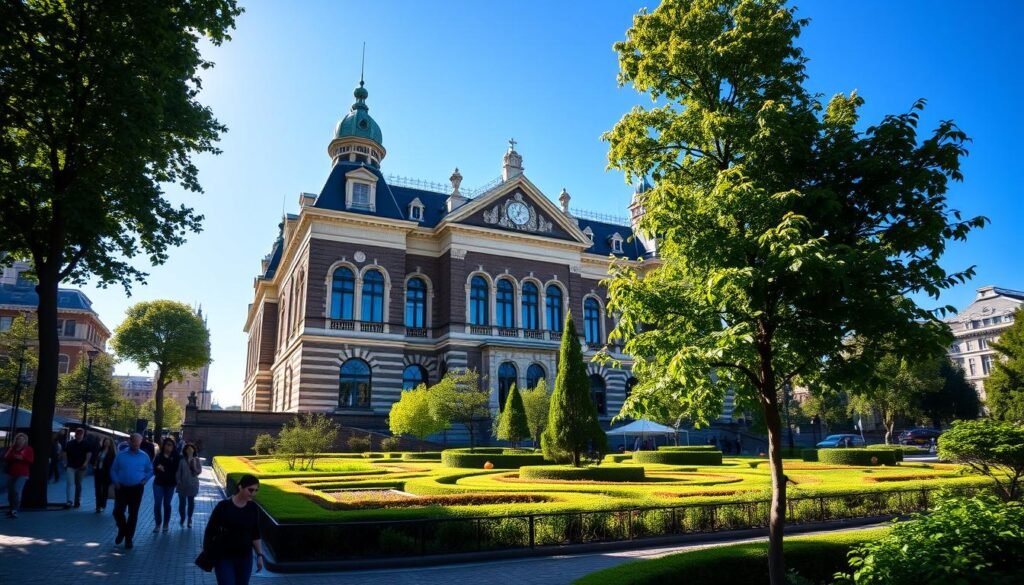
pixel 376 285
pixel 977 326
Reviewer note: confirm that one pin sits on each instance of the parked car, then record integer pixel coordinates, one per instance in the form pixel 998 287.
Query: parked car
pixel 846 440
pixel 919 436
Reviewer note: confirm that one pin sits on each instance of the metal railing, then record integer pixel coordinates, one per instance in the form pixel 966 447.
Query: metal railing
pixel 340 541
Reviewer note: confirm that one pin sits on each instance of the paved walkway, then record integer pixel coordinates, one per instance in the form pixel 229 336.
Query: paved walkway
pixel 77 546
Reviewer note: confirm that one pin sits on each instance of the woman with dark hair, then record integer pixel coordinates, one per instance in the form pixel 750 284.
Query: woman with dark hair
pixel 188 483
pixel 165 471
pixel 233 534
pixel 101 472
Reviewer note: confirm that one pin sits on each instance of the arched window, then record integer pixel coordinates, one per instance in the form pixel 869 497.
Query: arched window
pixel 373 297
pixel 531 316
pixel 554 308
pixel 416 303
pixel 597 394
pixel 63 364
pixel 478 301
pixel 343 288
pixel 505 304
pixel 534 374
pixel 413 376
pixel 629 385
pixel 354 384
pixel 592 322
pixel 507 374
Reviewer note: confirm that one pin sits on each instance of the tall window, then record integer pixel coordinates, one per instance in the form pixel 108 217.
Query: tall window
pixel 361 194
pixel 63 364
pixel 554 308
pixel 354 384
pixel 373 297
pixel 507 374
pixel 986 364
pixel 478 301
pixel 416 303
pixel 629 386
pixel 597 393
pixel 413 376
pixel 505 304
pixel 534 374
pixel 531 316
pixel 343 288
pixel 592 322
pixel 287 389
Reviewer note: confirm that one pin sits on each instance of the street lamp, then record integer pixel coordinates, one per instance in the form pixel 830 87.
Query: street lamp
pixel 17 392
pixel 88 382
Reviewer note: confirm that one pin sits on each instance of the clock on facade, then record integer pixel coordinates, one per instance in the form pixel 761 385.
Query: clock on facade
pixel 518 213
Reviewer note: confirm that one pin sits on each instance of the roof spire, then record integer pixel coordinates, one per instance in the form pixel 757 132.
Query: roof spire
pixel 362 65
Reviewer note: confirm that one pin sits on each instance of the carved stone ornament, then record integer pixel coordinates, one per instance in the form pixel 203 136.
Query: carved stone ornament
pixel 459 253
pixel 498 215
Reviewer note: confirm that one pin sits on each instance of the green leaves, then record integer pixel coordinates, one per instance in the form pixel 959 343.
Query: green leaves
pixel 992 448
pixel 412 414
pixel 1004 389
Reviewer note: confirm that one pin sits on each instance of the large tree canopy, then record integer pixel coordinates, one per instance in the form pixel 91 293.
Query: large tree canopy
pixel 91 392
pixel 1004 389
pixel 784 226
pixel 99 109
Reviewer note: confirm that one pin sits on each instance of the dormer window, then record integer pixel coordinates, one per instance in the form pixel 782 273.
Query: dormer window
pixel 361 194
pixel 589 233
pixel 616 240
pixel 416 209
pixel 360 190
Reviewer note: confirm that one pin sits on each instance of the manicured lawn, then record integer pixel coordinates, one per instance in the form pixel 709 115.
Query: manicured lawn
pixel 309 496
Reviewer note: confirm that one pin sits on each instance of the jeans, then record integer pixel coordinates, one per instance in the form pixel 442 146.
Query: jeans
pixel 186 505
pixel 162 495
pixel 14 487
pixel 234 571
pixel 130 497
pixel 101 480
pixel 73 482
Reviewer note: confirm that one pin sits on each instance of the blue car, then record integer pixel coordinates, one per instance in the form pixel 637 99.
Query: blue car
pixel 847 440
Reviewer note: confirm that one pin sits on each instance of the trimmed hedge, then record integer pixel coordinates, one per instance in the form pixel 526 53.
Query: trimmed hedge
pixel 618 457
pixel 688 448
pixel 422 456
pixel 815 558
pixel 809 454
pixel 497 457
pixel 679 457
pixel 570 473
pixel 856 456
pixel 896 451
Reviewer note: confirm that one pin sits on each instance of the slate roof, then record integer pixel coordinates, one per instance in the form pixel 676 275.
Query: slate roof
pixel 26 296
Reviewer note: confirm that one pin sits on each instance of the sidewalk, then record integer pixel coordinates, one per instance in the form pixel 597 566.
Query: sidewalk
pixel 77 546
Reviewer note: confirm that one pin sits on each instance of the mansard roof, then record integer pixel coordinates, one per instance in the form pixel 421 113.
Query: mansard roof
pixel 26 296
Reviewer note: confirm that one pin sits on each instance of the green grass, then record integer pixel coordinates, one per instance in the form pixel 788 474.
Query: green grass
pixel 815 557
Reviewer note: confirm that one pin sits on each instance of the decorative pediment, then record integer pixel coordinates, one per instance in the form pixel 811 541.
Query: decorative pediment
pixel 516 213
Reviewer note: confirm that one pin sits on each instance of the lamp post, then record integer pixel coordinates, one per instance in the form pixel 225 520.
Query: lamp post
pixel 88 382
pixel 17 393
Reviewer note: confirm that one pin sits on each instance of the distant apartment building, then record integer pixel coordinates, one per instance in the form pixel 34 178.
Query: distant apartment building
pixel 977 326
pixel 192 382
pixel 138 389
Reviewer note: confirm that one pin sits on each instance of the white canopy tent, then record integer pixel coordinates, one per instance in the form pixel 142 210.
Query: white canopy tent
pixel 23 419
pixel 641 428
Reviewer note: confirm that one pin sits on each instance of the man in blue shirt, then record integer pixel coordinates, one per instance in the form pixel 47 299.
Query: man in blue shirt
pixel 129 473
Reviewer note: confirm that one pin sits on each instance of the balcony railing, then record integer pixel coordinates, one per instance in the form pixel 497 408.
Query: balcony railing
pixel 417 332
pixel 341 325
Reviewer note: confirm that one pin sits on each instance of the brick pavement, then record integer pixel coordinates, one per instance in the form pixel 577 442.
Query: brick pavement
pixel 77 546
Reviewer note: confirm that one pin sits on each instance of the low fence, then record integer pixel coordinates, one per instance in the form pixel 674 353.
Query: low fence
pixel 349 541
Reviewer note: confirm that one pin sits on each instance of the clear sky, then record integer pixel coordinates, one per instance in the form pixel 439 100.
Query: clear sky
pixel 451 82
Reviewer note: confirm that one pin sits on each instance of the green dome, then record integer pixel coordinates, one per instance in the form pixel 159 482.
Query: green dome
pixel 358 122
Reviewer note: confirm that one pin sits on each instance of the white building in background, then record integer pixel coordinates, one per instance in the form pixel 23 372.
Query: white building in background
pixel 977 326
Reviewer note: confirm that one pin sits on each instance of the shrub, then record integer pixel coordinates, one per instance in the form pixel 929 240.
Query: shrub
pixel 359 444
pixel 264 444
pixel 679 457
pixel 477 458
pixel 304 438
pixel 977 540
pixel 618 457
pixel 857 456
pixel 422 456
pixel 688 448
pixel 570 473
pixel 994 449
pixel 896 450
pixel 390 444
pixel 809 454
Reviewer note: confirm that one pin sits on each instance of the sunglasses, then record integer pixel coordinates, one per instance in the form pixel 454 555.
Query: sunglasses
pixel 252 490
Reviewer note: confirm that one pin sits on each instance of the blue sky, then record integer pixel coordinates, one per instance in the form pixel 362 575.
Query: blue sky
pixel 451 82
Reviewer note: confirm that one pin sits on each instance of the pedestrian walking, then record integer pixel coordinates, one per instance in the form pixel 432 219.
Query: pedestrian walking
pixel 19 460
pixel 148 447
pixel 233 535
pixel 165 471
pixel 101 472
pixel 77 456
pixel 130 472
pixel 187 478
pixel 56 449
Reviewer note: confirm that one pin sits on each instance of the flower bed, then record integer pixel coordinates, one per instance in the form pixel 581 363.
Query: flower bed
pixel 679 457
pixel 612 473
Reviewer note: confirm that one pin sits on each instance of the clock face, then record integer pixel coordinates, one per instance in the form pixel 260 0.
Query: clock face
pixel 518 213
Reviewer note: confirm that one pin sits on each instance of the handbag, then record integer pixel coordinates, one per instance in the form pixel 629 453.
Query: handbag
pixel 204 562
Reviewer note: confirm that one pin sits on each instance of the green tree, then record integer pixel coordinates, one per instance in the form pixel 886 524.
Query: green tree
pixel 168 335
pixel 122 415
pixel 412 415
pixel 1004 389
pixel 99 390
pixel 537 403
pixel 172 414
pixel 100 113
pixel 18 359
pixel 896 390
pixel 955 399
pixel 304 438
pixel 512 425
pixel 783 229
pixel 826 404
pixel 572 421
pixel 991 448
pixel 457 398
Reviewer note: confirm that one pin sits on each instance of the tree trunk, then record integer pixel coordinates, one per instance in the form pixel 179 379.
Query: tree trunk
pixel 158 407
pixel 44 400
pixel 777 519
pixel 889 425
